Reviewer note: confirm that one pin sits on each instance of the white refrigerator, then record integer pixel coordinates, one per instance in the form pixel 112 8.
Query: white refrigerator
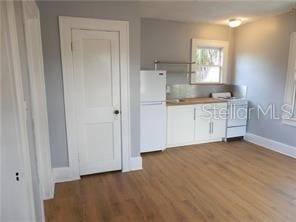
pixel 153 110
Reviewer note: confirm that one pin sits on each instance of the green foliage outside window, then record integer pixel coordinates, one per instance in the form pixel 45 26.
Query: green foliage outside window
pixel 208 56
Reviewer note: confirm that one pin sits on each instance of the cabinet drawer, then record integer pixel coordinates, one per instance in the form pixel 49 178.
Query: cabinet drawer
pixel 236 122
pixel 236 131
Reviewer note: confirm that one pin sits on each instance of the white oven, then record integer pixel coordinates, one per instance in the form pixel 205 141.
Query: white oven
pixel 237 115
pixel 237 118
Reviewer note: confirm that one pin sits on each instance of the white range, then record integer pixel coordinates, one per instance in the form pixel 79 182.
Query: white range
pixel 236 124
pixel 153 111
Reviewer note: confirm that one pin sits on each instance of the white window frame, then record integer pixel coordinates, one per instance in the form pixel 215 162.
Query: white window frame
pixel 290 91
pixel 205 43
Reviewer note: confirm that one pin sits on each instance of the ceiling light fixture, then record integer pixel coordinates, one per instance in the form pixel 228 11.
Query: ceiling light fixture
pixel 234 23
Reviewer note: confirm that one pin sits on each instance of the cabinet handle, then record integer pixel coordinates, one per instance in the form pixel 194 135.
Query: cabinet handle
pixel 194 114
pixel 210 128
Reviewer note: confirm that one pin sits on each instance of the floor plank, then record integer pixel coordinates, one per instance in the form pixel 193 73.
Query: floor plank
pixel 236 181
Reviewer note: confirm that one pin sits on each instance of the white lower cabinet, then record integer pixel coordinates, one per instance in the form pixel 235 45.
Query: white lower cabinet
pixel 218 128
pixel 202 128
pixel 180 124
pixel 193 124
pixel 209 128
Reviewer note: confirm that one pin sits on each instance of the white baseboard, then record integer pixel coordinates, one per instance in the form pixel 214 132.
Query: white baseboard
pixel 271 144
pixel 50 192
pixel 136 163
pixel 196 142
pixel 63 174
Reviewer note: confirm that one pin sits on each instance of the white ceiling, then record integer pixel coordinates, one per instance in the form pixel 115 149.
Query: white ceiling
pixel 209 11
pixel 214 12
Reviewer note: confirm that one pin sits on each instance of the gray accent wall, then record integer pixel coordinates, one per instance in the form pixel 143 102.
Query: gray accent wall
pixel 49 12
pixel 261 59
pixel 171 41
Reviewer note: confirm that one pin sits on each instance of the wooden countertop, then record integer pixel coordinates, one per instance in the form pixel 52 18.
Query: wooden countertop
pixel 192 101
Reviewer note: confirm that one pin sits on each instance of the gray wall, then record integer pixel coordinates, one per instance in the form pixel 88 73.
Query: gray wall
pixel 261 54
pixel 170 41
pixel 261 50
pixel 49 12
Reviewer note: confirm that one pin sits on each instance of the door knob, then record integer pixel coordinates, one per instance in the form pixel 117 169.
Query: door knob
pixel 116 112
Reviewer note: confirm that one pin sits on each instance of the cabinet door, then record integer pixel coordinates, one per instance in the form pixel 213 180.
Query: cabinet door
pixel 180 125
pixel 218 128
pixel 202 128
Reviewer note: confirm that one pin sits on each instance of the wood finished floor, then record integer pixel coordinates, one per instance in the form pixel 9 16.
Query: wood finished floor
pixel 235 181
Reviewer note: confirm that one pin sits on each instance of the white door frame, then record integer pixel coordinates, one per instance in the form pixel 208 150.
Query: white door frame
pixel 38 96
pixel 66 24
pixel 21 106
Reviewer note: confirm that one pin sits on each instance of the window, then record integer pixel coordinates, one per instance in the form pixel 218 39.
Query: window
pixel 209 62
pixel 289 116
pixel 209 65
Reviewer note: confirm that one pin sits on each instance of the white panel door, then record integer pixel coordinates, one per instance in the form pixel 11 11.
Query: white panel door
pixel 97 92
pixel 180 125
